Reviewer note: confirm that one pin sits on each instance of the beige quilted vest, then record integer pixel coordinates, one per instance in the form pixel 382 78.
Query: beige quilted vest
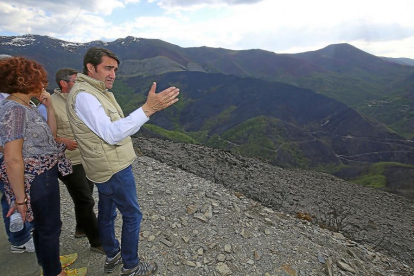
pixel 63 126
pixel 99 159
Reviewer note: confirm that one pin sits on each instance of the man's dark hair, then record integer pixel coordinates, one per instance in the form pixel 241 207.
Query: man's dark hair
pixel 64 74
pixel 94 56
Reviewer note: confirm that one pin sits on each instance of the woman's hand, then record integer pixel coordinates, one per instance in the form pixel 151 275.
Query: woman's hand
pixel 22 209
pixel 45 99
pixel 70 144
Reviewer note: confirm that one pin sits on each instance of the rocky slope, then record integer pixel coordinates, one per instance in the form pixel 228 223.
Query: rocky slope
pixel 193 226
pixel 262 221
pixel 371 217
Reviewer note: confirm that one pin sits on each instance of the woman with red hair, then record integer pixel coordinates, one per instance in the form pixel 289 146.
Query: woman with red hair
pixel 32 158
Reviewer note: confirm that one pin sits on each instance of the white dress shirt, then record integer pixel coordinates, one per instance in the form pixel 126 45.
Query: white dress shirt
pixel 92 113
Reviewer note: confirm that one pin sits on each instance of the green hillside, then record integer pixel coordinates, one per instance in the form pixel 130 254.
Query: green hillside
pixel 169 134
pixel 376 175
pixel 395 112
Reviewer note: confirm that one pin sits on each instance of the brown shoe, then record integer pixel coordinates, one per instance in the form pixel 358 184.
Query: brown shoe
pixel 79 234
pixel 97 249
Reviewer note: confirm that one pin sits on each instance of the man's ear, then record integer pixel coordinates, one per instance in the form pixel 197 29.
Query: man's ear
pixel 90 67
pixel 63 83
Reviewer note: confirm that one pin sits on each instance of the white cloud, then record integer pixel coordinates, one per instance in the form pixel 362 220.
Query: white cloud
pixel 311 24
pixel 188 3
pixel 39 21
pixel 394 48
pixel 280 26
pixel 104 7
pixel 174 6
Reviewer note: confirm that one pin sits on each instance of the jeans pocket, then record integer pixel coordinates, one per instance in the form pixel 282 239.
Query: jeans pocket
pixel 104 188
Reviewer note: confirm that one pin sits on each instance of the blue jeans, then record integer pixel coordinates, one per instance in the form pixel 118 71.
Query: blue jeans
pixel 15 238
pixel 119 192
pixel 45 201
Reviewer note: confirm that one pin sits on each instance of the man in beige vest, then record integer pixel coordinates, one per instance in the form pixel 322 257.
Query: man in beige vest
pixel 79 187
pixel 103 136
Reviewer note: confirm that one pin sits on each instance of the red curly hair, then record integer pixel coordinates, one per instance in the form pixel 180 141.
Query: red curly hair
pixel 18 74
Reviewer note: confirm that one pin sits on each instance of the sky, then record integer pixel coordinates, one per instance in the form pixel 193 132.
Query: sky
pixel 381 28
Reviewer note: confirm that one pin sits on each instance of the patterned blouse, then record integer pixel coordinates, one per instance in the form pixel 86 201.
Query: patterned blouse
pixel 40 151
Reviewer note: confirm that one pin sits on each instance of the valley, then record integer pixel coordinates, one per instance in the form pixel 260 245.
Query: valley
pixel 338 109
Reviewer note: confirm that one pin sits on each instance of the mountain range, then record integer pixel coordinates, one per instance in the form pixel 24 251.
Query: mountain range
pixel 337 109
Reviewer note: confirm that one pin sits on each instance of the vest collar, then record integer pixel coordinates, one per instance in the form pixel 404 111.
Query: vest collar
pixel 58 92
pixel 97 84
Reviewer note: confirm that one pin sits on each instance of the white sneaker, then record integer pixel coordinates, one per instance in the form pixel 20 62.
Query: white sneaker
pixel 27 247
